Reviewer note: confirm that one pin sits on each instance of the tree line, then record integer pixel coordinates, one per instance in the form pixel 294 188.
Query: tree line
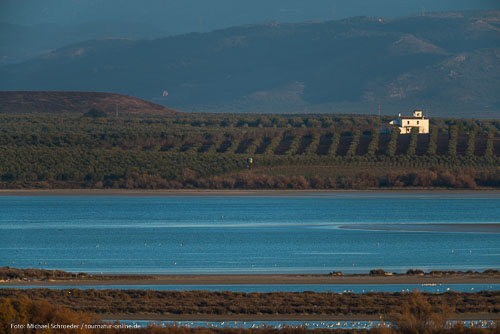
pixel 202 151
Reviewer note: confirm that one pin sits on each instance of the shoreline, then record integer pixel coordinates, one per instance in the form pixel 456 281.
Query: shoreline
pixel 240 306
pixel 242 193
pixel 277 317
pixel 269 279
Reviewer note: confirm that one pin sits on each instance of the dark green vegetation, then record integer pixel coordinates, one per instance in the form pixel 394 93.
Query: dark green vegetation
pixel 32 274
pixel 7 273
pixel 448 62
pixel 211 151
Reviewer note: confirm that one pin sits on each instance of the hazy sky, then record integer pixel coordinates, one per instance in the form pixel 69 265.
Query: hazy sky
pixel 178 16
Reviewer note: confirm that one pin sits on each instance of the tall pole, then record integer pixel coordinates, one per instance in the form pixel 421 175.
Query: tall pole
pixel 379 117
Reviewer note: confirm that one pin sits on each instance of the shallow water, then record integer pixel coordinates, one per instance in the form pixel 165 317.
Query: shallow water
pixel 254 234
pixel 335 288
pixel 293 324
pixel 255 324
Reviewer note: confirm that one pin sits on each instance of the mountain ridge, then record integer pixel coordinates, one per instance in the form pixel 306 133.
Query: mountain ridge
pixel 23 42
pixel 349 62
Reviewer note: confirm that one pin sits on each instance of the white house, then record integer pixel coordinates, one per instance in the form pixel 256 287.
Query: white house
pixel 406 123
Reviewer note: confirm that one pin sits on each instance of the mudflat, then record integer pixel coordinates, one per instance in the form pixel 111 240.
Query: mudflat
pixel 457 278
pixel 209 192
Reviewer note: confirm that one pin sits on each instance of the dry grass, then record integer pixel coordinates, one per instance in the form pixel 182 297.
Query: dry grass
pixel 240 303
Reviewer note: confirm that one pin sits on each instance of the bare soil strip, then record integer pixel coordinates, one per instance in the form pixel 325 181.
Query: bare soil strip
pixel 475 278
pixel 208 192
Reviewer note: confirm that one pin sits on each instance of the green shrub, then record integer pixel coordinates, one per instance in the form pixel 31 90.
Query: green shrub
pixel 393 143
pixel 332 151
pixel 353 146
pixel 373 146
pixel 412 148
pixel 453 139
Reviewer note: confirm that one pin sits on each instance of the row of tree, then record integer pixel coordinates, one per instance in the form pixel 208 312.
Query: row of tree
pixel 51 151
pixel 278 143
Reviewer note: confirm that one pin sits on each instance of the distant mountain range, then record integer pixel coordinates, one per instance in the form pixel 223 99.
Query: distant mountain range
pixel 447 63
pixel 22 42
pixel 76 102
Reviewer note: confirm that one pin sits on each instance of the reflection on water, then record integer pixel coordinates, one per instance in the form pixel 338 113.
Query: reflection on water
pixel 454 228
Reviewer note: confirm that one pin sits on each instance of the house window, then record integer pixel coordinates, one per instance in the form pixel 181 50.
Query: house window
pixel 417 122
pixel 408 122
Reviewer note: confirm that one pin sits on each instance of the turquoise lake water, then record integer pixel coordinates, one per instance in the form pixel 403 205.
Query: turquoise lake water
pixel 316 233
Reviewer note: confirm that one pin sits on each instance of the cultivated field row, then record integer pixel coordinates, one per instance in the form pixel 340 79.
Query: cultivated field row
pixel 356 144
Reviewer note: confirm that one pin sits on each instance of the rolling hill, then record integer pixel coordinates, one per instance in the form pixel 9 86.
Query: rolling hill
pixel 23 42
pixel 445 63
pixel 76 102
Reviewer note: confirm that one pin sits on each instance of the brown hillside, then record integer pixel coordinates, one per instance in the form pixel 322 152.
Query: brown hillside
pixel 79 102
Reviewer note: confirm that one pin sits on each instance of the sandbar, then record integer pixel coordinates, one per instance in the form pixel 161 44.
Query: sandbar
pixel 461 227
pixel 245 193
pixel 265 279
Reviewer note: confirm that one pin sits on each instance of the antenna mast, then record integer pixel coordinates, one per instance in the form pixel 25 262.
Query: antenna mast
pixel 379 116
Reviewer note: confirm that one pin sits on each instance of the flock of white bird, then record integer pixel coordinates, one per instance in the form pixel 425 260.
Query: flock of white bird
pixel 310 325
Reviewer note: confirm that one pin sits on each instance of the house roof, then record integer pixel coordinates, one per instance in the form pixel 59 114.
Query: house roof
pixel 412 117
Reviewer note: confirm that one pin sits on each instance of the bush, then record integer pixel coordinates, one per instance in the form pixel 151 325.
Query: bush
pixel 417 315
pixel 412 148
pixel 471 143
pixel 452 144
pixel 294 145
pixel 252 148
pixel 490 152
pixel 313 146
pixel 393 143
pixel 431 150
pixel 332 151
pixel 377 272
pixel 23 311
pixel 351 151
pixel 373 146
pixel 95 113
pixel 273 145
pixel 415 272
